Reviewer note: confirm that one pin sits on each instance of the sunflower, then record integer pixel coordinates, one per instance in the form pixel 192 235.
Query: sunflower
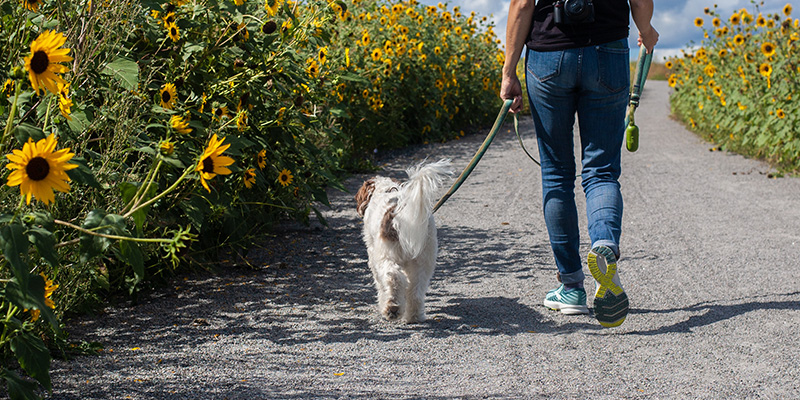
pixel 180 125
pixel 761 21
pixel 39 169
pixel 735 19
pixel 261 159
pixel 49 288
pixel 780 113
pixel 241 120
pixel 64 102
pixel 249 177
pixel 377 54
pixel 169 19
pixel 212 162
pixel 32 5
pixel 710 69
pixel 8 87
pixel 738 39
pixel 166 148
pixel 672 80
pixel 365 39
pixel 238 2
pixel 312 68
pixel 765 69
pixel 269 27
pixel 174 33
pixel 322 55
pixel 698 22
pixel 716 22
pixel 787 9
pixel 285 178
pixel 220 112
pixel 167 95
pixel 768 49
pixel 43 63
pixel 669 65
pixel 272 6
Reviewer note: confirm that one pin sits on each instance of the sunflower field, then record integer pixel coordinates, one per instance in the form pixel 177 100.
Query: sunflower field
pixel 737 88
pixel 143 136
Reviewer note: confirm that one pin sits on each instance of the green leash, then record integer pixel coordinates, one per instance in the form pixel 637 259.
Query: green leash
pixel 642 68
pixel 477 157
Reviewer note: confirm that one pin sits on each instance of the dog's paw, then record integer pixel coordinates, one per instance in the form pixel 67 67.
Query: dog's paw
pixel 415 319
pixel 391 311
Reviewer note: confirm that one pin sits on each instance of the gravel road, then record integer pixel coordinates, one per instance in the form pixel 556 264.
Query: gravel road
pixel 710 261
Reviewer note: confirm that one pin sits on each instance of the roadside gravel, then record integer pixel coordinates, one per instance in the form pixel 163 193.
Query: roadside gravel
pixel 711 263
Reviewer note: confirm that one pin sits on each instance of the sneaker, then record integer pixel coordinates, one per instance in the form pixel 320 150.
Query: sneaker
pixel 610 300
pixel 568 301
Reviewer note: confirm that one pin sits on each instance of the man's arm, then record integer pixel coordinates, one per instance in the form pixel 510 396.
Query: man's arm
pixel 642 12
pixel 520 16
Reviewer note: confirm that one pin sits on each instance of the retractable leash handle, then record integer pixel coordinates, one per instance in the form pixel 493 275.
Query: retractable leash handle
pixel 640 77
pixel 478 154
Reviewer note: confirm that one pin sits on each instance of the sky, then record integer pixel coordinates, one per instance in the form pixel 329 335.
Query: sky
pixel 673 19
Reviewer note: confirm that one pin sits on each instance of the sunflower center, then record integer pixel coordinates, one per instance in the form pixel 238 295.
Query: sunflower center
pixel 208 165
pixel 165 96
pixel 39 62
pixel 37 169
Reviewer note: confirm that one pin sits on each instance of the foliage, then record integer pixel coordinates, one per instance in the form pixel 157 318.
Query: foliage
pixel 140 136
pixel 737 87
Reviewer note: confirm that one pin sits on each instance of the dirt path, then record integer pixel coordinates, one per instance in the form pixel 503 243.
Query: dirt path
pixel 711 262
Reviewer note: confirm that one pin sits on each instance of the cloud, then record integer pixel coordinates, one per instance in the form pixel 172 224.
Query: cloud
pixel 674 19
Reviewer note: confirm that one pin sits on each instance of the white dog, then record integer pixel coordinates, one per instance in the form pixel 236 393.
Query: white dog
pixel 400 235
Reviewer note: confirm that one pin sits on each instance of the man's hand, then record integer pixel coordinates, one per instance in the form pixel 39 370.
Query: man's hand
pixel 648 38
pixel 511 89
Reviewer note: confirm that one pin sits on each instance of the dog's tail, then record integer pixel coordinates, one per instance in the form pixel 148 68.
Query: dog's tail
pixel 415 204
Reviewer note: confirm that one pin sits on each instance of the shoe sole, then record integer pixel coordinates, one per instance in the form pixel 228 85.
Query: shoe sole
pixel 566 309
pixel 610 301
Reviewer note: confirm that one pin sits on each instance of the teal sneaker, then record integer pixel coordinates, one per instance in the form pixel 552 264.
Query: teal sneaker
pixel 568 301
pixel 610 300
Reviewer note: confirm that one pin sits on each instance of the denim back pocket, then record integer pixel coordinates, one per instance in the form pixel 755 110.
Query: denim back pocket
pixel 613 64
pixel 544 65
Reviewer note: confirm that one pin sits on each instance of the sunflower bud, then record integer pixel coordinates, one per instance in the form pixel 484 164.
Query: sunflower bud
pixel 17 72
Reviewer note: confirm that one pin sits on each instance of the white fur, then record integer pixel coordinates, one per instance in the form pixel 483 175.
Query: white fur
pixel 402 246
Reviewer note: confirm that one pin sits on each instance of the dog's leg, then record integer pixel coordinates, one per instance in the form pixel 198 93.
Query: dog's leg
pixel 391 290
pixel 419 281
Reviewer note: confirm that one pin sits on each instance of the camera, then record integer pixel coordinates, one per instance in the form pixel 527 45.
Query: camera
pixel 573 11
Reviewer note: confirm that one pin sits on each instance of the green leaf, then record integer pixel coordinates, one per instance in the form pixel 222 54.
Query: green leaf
pixel 124 70
pixel 90 245
pixel 45 243
pixel 31 296
pixel 33 357
pixel 15 246
pixel 18 388
pixel 25 131
pixel 79 122
pixel 132 254
pixel 83 174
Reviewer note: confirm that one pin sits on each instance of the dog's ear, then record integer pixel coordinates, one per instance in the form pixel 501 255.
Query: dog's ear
pixel 364 195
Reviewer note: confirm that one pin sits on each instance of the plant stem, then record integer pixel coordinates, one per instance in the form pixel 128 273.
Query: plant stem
pixel 114 237
pixel 150 177
pixel 189 169
pixel 12 113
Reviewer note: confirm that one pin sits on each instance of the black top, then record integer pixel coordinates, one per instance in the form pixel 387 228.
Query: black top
pixel 610 23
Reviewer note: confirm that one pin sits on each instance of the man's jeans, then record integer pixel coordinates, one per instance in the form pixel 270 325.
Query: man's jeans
pixel 593 82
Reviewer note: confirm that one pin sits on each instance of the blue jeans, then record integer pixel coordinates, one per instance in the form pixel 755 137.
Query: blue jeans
pixel 593 82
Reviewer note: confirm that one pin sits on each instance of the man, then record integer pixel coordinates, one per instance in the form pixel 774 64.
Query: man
pixel 577 62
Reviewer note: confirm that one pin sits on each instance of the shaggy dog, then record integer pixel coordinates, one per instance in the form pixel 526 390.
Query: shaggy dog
pixel 400 235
